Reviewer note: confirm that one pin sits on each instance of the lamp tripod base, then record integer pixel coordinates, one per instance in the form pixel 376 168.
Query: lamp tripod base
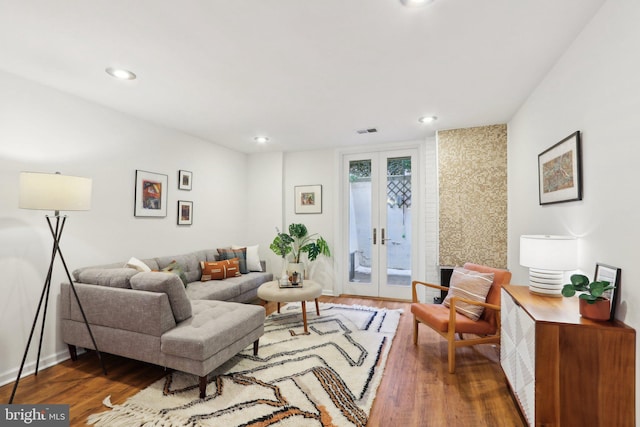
pixel 546 282
pixel 44 303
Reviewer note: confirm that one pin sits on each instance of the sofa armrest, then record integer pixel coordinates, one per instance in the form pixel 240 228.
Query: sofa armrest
pixel 132 310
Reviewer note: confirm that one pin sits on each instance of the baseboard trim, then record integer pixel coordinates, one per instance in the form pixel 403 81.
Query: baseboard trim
pixel 375 298
pixel 30 367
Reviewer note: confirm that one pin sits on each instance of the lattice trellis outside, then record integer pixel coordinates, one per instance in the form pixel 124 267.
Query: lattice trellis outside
pixel 399 190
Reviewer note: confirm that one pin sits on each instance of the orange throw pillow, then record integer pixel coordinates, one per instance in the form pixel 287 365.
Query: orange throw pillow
pixel 219 270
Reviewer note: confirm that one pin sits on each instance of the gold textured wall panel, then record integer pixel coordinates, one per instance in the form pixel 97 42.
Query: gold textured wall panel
pixel 472 168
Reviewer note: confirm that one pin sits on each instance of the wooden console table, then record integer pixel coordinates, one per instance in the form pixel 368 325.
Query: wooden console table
pixel 565 370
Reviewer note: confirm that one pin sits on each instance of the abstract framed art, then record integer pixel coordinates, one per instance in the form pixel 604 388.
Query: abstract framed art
pixel 150 194
pixel 560 171
pixel 607 273
pixel 308 199
pixel 184 180
pixel 185 212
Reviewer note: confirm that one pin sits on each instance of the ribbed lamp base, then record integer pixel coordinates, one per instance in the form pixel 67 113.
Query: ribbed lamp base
pixel 546 282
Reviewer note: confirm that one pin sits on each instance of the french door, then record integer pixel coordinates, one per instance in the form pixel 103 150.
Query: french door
pixel 380 242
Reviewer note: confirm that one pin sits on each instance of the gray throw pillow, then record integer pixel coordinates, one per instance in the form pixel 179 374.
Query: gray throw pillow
pixel 241 254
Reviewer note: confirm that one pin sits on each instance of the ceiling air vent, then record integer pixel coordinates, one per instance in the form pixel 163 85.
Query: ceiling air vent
pixel 363 131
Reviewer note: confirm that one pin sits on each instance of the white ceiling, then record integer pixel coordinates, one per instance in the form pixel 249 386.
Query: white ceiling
pixel 308 74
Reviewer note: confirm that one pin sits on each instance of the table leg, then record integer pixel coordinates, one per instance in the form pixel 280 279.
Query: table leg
pixel 317 307
pixel 278 307
pixel 304 316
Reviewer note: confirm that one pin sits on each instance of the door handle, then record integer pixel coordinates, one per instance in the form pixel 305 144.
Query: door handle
pixel 383 240
pixel 382 236
pixel 374 236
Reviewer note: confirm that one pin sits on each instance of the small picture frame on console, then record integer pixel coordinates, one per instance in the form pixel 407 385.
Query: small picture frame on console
pixel 612 275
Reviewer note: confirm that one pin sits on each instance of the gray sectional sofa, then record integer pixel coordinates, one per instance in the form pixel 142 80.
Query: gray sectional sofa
pixel 153 317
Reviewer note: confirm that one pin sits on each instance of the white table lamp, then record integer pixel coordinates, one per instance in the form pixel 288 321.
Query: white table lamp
pixel 548 257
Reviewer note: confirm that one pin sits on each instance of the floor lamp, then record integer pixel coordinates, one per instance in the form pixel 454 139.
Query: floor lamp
pixel 57 193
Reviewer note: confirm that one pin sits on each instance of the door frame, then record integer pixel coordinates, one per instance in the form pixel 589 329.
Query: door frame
pixel 341 246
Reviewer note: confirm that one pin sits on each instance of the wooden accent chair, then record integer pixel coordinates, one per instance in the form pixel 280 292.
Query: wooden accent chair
pixel 447 322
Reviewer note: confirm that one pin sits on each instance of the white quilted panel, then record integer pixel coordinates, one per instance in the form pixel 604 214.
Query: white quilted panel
pixel 517 353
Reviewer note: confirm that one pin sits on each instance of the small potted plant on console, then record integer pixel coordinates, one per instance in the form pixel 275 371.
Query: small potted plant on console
pixel 592 303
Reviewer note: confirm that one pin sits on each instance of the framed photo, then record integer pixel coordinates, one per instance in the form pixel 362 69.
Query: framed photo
pixel 150 194
pixel 560 171
pixel 308 199
pixel 612 275
pixel 185 212
pixel 184 180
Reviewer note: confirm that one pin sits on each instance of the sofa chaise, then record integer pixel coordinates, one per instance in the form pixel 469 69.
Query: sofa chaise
pixel 153 317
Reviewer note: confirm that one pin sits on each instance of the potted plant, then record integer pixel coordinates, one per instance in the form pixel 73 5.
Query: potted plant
pixel 297 242
pixel 593 305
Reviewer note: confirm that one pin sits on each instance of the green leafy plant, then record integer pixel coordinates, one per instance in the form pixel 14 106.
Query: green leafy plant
pixel 591 291
pixel 299 241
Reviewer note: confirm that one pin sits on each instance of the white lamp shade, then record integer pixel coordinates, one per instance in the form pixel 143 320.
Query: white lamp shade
pixel 48 191
pixel 559 253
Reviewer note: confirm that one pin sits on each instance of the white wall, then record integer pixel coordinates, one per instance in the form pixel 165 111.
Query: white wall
pixel 265 204
pixel 44 130
pixel 594 88
pixel 313 168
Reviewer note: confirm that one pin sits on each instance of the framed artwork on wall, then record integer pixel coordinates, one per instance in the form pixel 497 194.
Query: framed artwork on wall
pixel 184 180
pixel 308 199
pixel 150 194
pixel 185 212
pixel 607 273
pixel 560 171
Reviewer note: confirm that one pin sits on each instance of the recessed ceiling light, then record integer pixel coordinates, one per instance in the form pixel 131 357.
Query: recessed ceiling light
pixel 261 139
pixel 415 3
pixel 427 119
pixel 120 73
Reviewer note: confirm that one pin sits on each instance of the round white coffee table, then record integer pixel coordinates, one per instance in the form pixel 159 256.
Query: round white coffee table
pixel 310 290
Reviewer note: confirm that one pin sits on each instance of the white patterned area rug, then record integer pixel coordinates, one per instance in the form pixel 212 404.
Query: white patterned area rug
pixel 326 378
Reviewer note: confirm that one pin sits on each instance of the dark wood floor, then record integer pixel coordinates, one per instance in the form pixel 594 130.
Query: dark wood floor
pixel 416 389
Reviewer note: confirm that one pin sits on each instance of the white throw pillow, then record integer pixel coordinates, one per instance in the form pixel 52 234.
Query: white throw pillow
pixel 138 265
pixel 253 258
pixel 471 285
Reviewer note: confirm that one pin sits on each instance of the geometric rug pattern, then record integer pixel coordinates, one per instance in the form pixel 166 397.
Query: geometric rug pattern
pixel 328 377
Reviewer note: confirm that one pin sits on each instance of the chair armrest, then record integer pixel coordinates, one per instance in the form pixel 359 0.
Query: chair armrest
pixel 414 293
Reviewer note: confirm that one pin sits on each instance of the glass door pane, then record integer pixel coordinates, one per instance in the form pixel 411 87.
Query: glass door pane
pixel 360 221
pixel 398 230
